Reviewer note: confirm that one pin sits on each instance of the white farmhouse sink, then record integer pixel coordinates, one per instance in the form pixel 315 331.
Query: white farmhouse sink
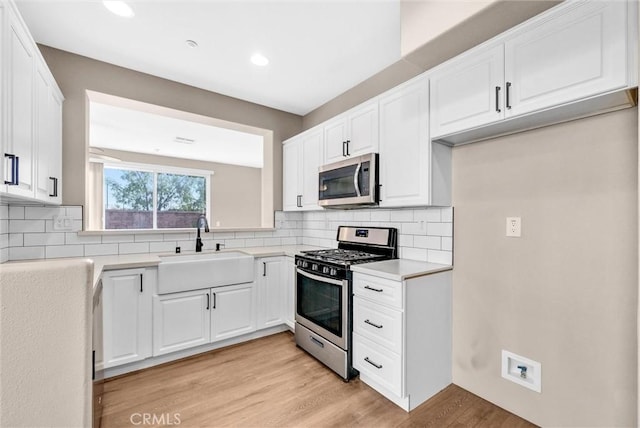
pixel 203 270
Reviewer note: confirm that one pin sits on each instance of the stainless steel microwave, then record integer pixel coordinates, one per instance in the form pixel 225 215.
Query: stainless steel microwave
pixel 349 183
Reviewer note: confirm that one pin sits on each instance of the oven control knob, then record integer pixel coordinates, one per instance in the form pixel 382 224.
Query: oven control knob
pixel 314 267
pixel 325 269
pixel 334 272
pixel 305 264
pixel 299 263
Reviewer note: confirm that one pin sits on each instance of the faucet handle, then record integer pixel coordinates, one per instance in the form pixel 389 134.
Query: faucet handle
pixel 218 245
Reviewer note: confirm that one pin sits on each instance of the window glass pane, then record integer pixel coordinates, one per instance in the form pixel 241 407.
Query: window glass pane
pixel 128 199
pixel 181 200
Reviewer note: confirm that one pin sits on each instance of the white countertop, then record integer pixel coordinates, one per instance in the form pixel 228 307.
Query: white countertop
pixel 400 269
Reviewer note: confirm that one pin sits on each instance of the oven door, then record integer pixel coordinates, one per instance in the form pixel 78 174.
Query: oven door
pixel 322 306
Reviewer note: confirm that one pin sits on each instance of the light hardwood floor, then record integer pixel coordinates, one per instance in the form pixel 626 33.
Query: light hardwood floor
pixel 269 382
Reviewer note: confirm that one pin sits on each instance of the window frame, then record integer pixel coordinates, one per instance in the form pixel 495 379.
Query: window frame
pixel 156 169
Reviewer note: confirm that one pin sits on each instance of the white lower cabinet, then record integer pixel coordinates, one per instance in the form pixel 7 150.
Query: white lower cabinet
pixel 402 335
pixel 180 321
pixel 193 318
pixel 290 292
pixel 271 291
pixel 127 315
pixel 233 311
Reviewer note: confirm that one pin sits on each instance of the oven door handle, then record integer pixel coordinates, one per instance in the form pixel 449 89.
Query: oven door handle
pixel 320 278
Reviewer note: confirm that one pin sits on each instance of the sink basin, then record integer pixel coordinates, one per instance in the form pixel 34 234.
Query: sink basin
pixel 203 270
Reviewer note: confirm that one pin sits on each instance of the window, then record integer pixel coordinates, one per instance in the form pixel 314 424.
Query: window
pixel 152 197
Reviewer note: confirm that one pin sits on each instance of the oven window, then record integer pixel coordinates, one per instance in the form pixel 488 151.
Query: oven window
pixel 321 303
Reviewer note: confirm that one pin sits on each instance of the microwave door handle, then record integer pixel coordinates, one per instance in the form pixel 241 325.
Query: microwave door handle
pixel 356 180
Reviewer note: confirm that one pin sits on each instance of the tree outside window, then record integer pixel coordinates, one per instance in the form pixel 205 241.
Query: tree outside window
pixel 136 199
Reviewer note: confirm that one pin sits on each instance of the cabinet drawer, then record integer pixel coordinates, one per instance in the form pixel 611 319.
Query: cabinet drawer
pixel 381 324
pixel 379 364
pixel 379 290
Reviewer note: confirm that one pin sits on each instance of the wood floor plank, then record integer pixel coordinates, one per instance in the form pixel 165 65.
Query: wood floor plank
pixel 269 382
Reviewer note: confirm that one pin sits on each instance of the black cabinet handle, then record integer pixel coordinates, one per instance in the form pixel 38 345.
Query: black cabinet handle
pixel 378 366
pixel 141 289
pixel 498 99
pixel 55 187
pixel 214 300
pixel 299 201
pixel 208 301
pixel 373 324
pixel 264 269
pixel 508 103
pixel 344 149
pixel 348 154
pixel 377 290
pixel 15 174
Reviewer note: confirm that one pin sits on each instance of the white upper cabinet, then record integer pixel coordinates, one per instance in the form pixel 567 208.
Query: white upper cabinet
pixel 32 132
pixel 405 145
pixel 300 161
pixel 19 64
pixel 574 52
pixel 467 93
pixel 353 133
pixel 578 52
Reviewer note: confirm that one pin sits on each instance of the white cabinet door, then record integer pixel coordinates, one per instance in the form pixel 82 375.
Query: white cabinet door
pixel 311 154
pixel 363 130
pixel 300 161
pixel 233 311
pixel 48 138
pixel 291 187
pixel 353 133
pixel 579 52
pixel 290 292
pixel 181 321
pixel 467 92
pixel 335 137
pixel 127 315
pixel 405 146
pixel 271 291
pixel 20 68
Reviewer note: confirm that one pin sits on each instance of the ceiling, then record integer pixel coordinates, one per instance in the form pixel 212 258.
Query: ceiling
pixel 132 130
pixel 317 49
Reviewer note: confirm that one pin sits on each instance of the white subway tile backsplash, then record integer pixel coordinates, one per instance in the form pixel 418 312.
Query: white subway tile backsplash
pixel 16 213
pixel 59 251
pixel 25 226
pixel 424 233
pixel 26 253
pixel 43 213
pixel 35 239
pixel 100 249
pixel 133 248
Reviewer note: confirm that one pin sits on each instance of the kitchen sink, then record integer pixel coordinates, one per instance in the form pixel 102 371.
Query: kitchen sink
pixel 178 272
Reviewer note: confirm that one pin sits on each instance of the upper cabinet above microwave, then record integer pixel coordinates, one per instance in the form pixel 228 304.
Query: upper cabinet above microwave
pixel 575 59
pixel 353 133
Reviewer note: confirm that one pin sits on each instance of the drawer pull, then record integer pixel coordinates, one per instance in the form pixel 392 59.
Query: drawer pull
pixel 370 323
pixel 377 290
pixel 316 341
pixel 378 366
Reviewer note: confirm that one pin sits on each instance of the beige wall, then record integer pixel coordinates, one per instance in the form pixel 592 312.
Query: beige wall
pixel 235 190
pixel 75 74
pixel 565 294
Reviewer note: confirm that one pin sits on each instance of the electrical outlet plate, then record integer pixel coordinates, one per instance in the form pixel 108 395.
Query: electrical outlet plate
pixel 62 222
pixel 514 227
pixel 511 371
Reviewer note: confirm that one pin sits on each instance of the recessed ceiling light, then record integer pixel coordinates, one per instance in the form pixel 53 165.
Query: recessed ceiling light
pixel 119 8
pixel 192 43
pixel 259 59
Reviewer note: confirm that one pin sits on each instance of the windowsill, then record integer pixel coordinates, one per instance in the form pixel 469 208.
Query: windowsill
pixel 163 231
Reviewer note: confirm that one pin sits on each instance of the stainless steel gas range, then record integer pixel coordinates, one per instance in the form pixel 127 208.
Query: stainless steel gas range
pixel 324 296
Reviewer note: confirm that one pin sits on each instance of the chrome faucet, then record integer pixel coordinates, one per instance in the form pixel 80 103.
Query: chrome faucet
pixel 202 222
